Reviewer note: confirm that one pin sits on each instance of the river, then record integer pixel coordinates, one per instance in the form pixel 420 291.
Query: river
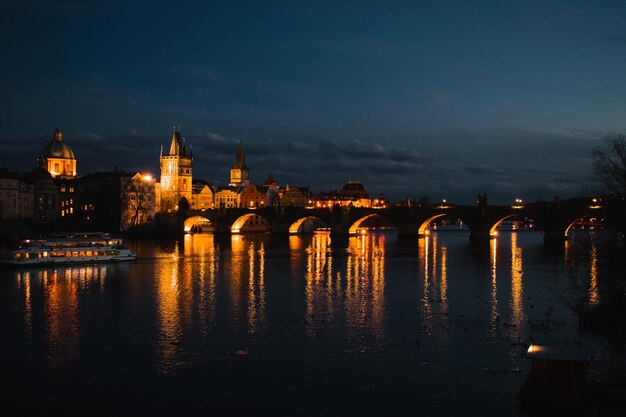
pixel 300 325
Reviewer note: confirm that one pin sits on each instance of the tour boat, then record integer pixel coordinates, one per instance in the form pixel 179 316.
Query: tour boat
pixel 63 249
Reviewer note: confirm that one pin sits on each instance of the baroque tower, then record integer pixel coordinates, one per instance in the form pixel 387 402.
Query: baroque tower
pixel 176 174
pixel 57 158
pixel 240 173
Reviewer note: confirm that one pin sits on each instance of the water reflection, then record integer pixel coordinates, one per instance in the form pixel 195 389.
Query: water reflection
pixel 167 283
pixel 23 285
pixel 495 316
pixel 365 283
pixel 518 317
pixel 256 287
pixel 353 298
pixel 306 303
pixel 247 282
pixel 56 293
pixel 582 260
pixel 593 275
pixel 320 289
pixel 434 300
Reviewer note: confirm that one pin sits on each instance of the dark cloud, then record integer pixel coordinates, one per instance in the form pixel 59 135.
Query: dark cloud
pixel 484 170
pixel 470 163
pixel 360 149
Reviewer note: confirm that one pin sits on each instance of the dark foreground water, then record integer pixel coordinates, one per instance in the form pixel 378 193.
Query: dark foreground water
pixel 366 326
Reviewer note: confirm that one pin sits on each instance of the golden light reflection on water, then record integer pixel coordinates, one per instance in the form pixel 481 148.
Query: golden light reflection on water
pixel 248 281
pixel 320 290
pixel 168 311
pixel 518 317
pixel 594 297
pixel 236 276
pixel 495 316
pixel 365 282
pixel 185 285
pixel 256 287
pixel 572 258
pixel 434 300
pixel 426 310
pixel 57 292
pixel 23 284
pixel 354 299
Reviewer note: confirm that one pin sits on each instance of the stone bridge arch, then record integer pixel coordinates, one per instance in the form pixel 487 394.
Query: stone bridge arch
pixel 197 222
pixel 295 227
pixel 573 222
pixel 493 230
pixel 239 223
pixel 356 224
pixel 424 223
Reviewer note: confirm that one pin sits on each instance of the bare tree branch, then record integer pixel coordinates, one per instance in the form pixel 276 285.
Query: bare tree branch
pixel 610 163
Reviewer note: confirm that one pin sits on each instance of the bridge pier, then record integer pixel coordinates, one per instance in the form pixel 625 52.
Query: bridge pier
pixel 280 228
pixel 554 236
pixel 480 232
pixel 478 238
pixel 407 229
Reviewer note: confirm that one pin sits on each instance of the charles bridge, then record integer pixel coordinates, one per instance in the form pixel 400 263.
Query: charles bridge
pixel 554 218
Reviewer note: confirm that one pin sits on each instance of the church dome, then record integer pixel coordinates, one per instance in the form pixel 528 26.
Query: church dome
pixel 354 189
pixel 56 148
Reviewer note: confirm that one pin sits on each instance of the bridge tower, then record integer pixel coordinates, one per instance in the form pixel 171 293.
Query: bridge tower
pixel 240 173
pixel 176 174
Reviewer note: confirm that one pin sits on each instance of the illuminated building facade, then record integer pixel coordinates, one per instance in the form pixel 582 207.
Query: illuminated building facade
pixel 251 197
pixel 296 197
pixel 45 194
pixel 352 194
pixel 176 175
pixel 227 197
pixel 114 200
pixel 240 173
pixel 57 158
pixel 203 195
pixel 138 200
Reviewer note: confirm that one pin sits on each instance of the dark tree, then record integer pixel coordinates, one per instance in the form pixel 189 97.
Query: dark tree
pixel 610 163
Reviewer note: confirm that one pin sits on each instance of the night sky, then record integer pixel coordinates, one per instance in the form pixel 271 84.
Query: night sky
pixel 445 99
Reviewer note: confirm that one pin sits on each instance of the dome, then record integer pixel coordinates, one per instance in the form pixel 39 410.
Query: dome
pixel 56 148
pixel 354 189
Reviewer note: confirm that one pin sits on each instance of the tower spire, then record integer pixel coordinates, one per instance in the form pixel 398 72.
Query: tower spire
pixel 240 162
pixel 176 145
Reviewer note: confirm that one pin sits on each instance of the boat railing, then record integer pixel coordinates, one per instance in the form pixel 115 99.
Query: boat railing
pixel 72 243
